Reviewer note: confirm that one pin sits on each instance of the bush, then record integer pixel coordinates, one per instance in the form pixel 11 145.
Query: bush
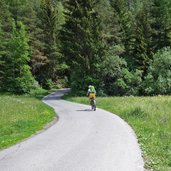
pixel 118 80
pixel 129 83
pixel 48 84
pixel 158 79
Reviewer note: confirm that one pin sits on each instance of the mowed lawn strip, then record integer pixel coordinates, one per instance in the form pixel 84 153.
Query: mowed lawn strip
pixel 21 116
pixel 150 117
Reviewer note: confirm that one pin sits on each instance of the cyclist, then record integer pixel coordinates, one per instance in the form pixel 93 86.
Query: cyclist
pixel 91 93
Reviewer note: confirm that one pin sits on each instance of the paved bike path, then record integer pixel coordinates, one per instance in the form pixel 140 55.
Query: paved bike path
pixel 81 140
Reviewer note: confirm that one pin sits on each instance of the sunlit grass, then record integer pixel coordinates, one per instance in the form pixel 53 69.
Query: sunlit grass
pixel 150 118
pixel 21 116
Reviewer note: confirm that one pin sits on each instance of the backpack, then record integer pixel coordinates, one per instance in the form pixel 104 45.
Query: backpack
pixel 92 89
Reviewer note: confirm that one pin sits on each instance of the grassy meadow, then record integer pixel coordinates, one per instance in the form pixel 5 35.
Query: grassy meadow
pixel 21 116
pixel 150 117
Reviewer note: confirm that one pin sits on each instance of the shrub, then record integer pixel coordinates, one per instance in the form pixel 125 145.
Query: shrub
pixel 129 83
pixel 118 80
pixel 158 79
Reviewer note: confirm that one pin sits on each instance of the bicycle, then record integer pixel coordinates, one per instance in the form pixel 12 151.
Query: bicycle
pixel 93 104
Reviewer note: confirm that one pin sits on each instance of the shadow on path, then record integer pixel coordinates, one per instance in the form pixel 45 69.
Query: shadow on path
pixel 84 110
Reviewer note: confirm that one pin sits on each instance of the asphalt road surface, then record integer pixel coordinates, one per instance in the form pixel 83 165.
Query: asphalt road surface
pixel 81 140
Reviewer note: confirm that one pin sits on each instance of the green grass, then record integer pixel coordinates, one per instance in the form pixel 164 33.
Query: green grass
pixel 21 116
pixel 150 118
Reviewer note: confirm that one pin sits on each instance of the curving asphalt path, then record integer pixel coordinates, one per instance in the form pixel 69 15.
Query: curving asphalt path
pixel 81 140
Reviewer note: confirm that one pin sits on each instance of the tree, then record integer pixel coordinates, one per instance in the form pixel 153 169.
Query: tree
pixel 125 22
pixel 1 58
pixel 141 52
pixel 5 29
pixel 49 24
pixel 151 32
pixel 82 43
pixel 18 77
pixel 5 18
pixel 161 18
pixel 109 22
pixel 26 11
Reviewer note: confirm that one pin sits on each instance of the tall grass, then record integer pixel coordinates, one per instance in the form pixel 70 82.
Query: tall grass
pixel 150 118
pixel 21 116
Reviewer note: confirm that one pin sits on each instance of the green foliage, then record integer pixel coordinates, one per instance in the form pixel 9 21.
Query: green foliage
pixel 125 21
pixel 82 44
pixel 5 28
pixel 118 80
pixel 158 80
pixel 161 18
pixel 108 43
pixel 109 22
pixel 129 83
pixel 5 17
pixel 112 69
pixel 1 58
pixel 140 52
pixel 18 77
pixel 50 23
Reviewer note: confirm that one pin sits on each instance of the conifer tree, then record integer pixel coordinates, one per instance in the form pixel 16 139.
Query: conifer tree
pixel 1 59
pixel 151 31
pixel 141 53
pixel 161 19
pixel 5 31
pixel 48 16
pixel 82 43
pixel 109 22
pixel 5 18
pixel 125 24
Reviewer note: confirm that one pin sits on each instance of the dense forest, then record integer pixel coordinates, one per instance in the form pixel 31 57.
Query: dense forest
pixel 122 47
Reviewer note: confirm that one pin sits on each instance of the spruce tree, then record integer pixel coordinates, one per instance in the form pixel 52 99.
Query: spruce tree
pixel 125 25
pixel 161 19
pixel 151 32
pixel 5 31
pixel 109 22
pixel 141 53
pixel 18 9
pixel 49 25
pixel 2 48
pixel 82 43
pixel 5 18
